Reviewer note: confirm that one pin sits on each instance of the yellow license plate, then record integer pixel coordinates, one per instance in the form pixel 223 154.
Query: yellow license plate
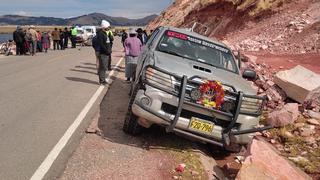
pixel 200 125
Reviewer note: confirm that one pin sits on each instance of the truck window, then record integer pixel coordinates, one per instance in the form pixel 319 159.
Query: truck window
pixel 196 49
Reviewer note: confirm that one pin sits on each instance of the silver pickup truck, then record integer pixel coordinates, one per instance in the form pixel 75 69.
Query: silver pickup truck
pixel 192 86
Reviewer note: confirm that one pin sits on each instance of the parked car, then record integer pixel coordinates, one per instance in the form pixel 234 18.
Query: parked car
pixel 192 86
pixel 89 33
pixel 80 35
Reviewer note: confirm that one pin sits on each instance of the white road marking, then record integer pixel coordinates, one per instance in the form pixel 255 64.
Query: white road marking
pixel 52 156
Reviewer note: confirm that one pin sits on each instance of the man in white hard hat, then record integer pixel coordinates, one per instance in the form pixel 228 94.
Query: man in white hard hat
pixel 105 51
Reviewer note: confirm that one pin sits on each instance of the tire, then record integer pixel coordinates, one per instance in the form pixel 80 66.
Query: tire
pixel 131 125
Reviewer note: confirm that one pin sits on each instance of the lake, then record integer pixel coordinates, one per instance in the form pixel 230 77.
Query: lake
pixel 5 37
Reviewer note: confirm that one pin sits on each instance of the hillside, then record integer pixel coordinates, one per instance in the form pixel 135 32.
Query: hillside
pixel 90 19
pixel 95 19
pixel 276 26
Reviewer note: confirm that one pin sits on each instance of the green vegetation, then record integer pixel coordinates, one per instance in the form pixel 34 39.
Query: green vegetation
pixel 295 145
pixel 192 162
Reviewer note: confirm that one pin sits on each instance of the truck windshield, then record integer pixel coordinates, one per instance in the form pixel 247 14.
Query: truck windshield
pixel 195 49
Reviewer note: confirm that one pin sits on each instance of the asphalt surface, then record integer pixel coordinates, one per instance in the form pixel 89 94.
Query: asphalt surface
pixel 40 97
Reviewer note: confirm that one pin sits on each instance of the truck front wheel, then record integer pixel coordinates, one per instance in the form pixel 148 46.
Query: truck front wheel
pixel 131 125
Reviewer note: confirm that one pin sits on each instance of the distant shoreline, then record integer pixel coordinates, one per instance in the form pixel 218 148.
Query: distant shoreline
pixel 7 29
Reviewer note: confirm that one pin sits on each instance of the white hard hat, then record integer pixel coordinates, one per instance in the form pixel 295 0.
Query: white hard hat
pixel 132 31
pixel 105 24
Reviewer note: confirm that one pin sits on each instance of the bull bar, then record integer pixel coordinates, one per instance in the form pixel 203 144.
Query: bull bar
pixel 182 99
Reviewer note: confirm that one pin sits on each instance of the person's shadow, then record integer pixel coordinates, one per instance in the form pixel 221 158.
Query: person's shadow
pixel 82 80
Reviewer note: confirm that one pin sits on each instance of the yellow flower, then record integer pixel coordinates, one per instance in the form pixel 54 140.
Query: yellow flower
pixel 213 104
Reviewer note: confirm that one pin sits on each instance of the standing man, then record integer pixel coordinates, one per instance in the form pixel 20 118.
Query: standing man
pixel 18 37
pixel 61 33
pixel 56 38
pixel 66 37
pixel 124 36
pixel 74 33
pixel 105 50
pixel 33 37
pixel 142 36
pixel 110 35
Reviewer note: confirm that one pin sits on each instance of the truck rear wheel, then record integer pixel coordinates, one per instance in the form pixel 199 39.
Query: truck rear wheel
pixel 131 125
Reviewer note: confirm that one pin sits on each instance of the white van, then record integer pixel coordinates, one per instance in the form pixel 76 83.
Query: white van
pixel 88 33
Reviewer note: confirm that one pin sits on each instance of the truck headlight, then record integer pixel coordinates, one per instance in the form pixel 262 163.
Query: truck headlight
pixel 251 106
pixel 158 78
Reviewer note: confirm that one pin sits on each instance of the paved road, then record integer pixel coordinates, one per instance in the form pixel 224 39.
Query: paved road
pixel 40 97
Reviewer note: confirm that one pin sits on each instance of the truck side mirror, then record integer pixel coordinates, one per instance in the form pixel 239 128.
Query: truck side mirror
pixel 249 74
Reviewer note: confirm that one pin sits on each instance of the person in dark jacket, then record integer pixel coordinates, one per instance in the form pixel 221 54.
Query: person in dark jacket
pixel 124 36
pixel 61 39
pixel 142 36
pixel 18 37
pixel 66 34
pixel 104 42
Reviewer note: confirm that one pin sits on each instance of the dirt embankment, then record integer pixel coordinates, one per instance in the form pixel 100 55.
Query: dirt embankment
pixel 281 33
pixel 275 35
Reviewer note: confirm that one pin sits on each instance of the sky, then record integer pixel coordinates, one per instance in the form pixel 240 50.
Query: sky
pixel 73 8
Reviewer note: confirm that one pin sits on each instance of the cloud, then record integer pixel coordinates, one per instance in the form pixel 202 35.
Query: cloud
pixel 23 13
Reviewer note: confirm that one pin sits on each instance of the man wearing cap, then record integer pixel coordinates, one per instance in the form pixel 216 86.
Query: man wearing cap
pixel 133 47
pixel 105 51
pixel 33 35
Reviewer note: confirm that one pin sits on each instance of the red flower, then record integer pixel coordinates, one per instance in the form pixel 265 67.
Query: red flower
pixel 215 87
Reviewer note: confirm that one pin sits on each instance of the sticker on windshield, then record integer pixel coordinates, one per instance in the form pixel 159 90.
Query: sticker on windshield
pixel 196 40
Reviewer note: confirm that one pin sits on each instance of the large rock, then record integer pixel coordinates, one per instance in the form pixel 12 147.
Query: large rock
pixel 299 83
pixel 263 162
pixel 287 115
pixel 315 115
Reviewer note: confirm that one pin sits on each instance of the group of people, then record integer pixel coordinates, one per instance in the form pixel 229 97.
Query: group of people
pixel 133 41
pixel 30 41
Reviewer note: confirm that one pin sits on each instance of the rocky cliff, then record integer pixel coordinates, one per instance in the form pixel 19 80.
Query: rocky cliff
pixel 251 25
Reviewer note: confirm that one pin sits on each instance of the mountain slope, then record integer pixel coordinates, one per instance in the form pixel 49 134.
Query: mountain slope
pixel 95 19
pixel 276 26
pixel 90 19
pixel 24 20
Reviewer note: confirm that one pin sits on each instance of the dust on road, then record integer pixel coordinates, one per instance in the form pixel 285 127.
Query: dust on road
pixel 112 154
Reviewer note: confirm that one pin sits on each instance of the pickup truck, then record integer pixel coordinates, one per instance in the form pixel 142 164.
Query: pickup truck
pixel 192 86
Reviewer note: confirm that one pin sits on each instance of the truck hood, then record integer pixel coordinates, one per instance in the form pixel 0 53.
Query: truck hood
pixel 183 66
